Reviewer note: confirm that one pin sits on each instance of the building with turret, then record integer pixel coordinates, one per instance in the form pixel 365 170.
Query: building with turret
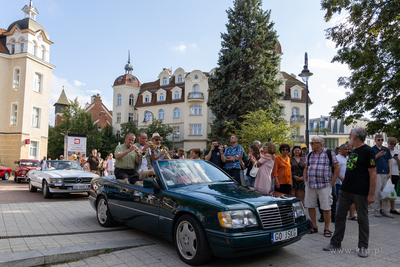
pixel 60 105
pixel 25 78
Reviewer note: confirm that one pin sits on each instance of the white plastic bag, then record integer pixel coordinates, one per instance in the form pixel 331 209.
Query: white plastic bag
pixel 389 192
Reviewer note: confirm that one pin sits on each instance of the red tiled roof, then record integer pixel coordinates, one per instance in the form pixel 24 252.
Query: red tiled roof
pixel 126 79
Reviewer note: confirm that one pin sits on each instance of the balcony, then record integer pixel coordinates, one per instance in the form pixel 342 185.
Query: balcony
pixel 297 119
pixel 297 137
pixel 196 96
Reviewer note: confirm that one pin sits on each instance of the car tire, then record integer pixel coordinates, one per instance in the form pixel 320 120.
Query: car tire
pixel 6 176
pixel 191 241
pixel 18 180
pixel 103 213
pixel 31 187
pixel 46 191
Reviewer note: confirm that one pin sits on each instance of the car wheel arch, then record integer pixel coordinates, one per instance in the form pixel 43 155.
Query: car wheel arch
pixel 182 213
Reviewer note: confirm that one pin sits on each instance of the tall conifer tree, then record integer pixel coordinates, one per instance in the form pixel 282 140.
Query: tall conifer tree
pixel 245 79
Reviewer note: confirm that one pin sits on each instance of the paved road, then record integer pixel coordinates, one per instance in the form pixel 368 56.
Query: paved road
pixel 12 192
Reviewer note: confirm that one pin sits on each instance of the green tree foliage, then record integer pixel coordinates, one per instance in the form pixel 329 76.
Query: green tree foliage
pixel 245 79
pixel 55 144
pixel 368 41
pixel 127 127
pixel 260 125
pixel 106 141
pixel 163 130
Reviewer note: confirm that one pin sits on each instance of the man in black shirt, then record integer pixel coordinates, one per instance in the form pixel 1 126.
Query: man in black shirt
pixel 216 155
pixel 359 188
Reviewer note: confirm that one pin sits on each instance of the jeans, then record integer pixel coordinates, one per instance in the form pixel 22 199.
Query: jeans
pixel 235 173
pixel 345 201
pixel 250 180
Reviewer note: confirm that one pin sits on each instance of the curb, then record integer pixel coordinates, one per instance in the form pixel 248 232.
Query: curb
pixel 64 254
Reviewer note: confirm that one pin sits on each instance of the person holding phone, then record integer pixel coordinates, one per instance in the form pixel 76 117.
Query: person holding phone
pixel 215 154
pixel 392 141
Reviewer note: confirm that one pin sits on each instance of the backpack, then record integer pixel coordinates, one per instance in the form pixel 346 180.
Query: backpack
pixel 329 152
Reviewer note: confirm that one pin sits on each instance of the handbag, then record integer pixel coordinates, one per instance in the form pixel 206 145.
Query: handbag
pixel 254 170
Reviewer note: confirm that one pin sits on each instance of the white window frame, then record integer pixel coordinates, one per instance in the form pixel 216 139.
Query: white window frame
pixel 43 52
pixel 196 110
pixel 147 98
pixel 130 117
pixel 164 80
pixel 118 117
pixel 37 149
pixel 195 129
pixel 196 90
pixel 297 111
pixel 22 45
pixel 161 97
pixel 177 95
pixel 147 115
pixel 296 93
pixel 161 114
pixel 34 48
pixel 180 78
pixel 12 47
pixel 38 87
pixel 131 100
pixel 39 118
pixel 177 111
pixel 119 100
pixel 14 114
pixel 16 77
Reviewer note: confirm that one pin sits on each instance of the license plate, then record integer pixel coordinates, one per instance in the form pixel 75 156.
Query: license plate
pixel 80 187
pixel 284 235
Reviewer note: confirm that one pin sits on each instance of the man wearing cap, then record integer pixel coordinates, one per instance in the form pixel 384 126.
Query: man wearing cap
pixel 61 157
pixel 127 160
pixel 157 153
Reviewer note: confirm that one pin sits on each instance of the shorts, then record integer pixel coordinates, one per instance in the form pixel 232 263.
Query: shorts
pixel 250 180
pixel 323 194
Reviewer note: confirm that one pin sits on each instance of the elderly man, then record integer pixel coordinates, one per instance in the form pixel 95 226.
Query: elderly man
pixel 231 158
pixel 359 188
pixel 320 182
pixel 127 160
pixel 157 153
pixel 146 147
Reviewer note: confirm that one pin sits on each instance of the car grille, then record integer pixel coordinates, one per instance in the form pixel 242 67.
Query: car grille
pixel 85 180
pixel 276 216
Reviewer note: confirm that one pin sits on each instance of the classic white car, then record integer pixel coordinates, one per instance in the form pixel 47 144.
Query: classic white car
pixel 60 176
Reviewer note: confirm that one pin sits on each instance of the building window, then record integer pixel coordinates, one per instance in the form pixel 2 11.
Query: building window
pixel 34 48
pixel 22 45
pixel 196 91
pixel 177 113
pixel 17 73
pixel 161 114
pixel 296 93
pixel 161 97
pixel 179 78
pixel 119 100
pixel 37 83
pixel 295 111
pixel 12 47
pixel 164 80
pixel 176 95
pixel 147 116
pixel 212 115
pixel 196 110
pixel 176 131
pixel 36 117
pixel 14 114
pixel 196 77
pixel 130 117
pixel 147 99
pixel 195 129
pixel 118 117
pixel 43 51
pixel 33 150
pixel 131 98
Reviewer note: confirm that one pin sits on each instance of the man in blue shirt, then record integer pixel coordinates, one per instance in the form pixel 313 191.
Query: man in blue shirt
pixel 215 154
pixel 231 158
pixel 383 174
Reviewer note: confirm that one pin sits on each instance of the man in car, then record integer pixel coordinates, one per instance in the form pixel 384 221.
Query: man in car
pixel 127 160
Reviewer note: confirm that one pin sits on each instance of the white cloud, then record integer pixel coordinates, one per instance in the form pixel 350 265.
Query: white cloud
pixel 193 45
pixel 94 91
pixel 180 48
pixel 78 83
pixel 330 44
pixel 320 63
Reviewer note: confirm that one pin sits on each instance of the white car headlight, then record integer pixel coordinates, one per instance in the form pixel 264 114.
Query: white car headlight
pixel 56 180
pixel 237 218
pixel 23 172
pixel 298 209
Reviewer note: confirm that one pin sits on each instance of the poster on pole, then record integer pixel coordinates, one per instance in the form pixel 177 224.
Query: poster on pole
pixel 76 145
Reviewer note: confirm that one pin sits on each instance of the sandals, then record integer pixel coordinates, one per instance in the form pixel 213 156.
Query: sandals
pixel 327 233
pixel 353 218
pixel 313 230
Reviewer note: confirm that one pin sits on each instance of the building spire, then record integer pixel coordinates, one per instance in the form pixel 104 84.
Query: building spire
pixel 128 67
pixel 30 11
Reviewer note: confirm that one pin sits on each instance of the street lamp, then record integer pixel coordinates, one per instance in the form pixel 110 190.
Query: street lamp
pixel 152 121
pixel 305 75
pixel 173 139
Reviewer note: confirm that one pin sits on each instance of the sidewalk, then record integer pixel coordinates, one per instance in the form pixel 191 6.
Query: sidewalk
pixel 68 233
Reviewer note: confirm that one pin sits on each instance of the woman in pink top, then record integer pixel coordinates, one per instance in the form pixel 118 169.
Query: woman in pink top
pixel 265 164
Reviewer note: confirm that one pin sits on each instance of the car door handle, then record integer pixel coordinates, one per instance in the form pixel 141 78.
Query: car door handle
pixel 123 191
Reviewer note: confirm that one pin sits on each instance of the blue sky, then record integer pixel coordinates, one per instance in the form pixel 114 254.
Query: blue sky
pixel 92 39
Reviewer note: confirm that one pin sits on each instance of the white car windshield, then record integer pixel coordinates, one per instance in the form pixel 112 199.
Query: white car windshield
pixel 177 173
pixel 61 165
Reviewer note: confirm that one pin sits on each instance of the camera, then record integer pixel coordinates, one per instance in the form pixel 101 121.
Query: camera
pixel 395 155
pixel 216 147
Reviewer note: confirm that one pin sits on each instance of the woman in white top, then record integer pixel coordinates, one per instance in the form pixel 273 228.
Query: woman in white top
pixel 392 141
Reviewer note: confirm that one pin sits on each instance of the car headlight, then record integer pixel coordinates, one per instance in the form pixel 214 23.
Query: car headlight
pixel 237 218
pixel 23 172
pixel 56 180
pixel 298 209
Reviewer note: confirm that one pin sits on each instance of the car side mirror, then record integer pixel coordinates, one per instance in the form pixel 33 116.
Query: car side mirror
pixel 151 183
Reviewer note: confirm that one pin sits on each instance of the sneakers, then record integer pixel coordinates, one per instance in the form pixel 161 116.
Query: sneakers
pixel 388 215
pixel 394 212
pixel 377 214
pixel 363 252
pixel 331 247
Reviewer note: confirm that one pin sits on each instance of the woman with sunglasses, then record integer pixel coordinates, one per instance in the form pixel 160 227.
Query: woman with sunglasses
pixel 297 164
pixel 282 171
pixel 392 141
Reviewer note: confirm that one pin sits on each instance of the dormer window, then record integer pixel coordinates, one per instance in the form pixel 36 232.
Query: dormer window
pixel 296 93
pixel 161 97
pixel 180 78
pixel 147 99
pixel 164 80
pixel 119 100
pixel 177 95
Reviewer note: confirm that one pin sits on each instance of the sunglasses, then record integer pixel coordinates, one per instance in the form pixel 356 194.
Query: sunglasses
pixel 152 176
pixel 304 148
pixel 311 143
pixel 285 149
pixel 379 139
pixel 392 144
pixel 157 139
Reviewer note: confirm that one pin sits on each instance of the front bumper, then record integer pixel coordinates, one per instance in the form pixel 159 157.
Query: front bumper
pixel 229 245
pixel 68 188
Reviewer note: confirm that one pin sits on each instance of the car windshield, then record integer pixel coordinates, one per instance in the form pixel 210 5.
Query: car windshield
pixel 29 163
pixel 61 165
pixel 177 173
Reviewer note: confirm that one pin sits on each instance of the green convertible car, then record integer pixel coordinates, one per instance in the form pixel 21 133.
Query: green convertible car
pixel 202 210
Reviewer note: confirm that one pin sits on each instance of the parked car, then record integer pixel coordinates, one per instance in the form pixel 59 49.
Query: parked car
pixel 202 210
pixel 5 173
pixel 60 176
pixel 23 167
